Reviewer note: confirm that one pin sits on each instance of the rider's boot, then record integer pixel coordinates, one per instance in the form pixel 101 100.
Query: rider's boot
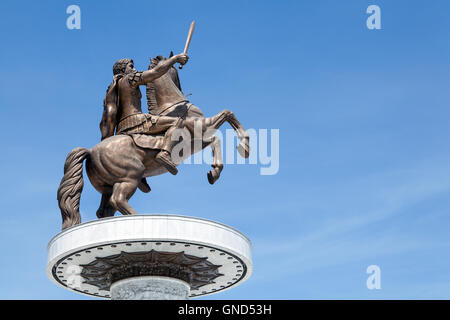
pixel 164 157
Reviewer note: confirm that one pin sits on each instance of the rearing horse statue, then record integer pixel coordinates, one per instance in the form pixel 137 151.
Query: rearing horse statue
pixel 117 165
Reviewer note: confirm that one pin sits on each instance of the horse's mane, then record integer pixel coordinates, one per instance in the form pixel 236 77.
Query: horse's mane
pixel 151 91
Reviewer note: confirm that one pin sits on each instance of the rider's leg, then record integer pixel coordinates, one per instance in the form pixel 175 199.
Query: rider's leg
pixel 164 157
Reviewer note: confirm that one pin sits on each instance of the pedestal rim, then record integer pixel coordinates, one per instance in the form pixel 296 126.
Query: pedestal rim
pixel 161 215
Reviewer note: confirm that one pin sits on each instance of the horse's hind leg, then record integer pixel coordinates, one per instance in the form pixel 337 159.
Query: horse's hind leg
pixel 217 165
pixel 105 209
pixel 122 192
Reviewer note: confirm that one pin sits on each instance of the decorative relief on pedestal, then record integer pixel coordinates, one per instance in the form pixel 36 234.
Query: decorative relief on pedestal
pixel 149 288
pixel 195 271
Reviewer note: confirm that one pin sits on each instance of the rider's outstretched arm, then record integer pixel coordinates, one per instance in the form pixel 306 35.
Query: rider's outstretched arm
pixel 162 67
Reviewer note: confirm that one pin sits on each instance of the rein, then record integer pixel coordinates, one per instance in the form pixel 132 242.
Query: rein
pixel 173 105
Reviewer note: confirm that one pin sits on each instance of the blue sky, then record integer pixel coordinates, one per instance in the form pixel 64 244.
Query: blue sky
pixel 364 137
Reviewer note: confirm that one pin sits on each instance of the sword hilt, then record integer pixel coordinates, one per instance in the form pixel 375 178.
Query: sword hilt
pixel 180 66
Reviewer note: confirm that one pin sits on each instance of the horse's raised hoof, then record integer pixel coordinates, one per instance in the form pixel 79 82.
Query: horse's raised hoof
pixel 211 178
pixel 244 148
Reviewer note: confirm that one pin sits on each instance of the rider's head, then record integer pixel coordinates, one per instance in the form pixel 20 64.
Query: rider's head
pixel 123 66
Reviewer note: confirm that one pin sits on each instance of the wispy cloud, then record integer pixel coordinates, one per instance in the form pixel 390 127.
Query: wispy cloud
pixel 359 233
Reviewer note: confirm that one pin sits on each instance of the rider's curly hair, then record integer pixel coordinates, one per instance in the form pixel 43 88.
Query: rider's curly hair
pixel 120 66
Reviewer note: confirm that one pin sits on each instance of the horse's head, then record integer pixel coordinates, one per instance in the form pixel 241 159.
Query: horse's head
pixel 173 72
pixel 163 83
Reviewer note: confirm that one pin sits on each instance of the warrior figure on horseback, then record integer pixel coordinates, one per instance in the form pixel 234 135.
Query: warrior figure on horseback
pixel 122 112
pixel 134 145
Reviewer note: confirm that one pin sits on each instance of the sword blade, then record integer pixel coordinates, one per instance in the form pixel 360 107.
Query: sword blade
pixel 188 40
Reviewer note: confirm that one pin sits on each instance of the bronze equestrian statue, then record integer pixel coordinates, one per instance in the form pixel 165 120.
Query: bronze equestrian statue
pixel 142 144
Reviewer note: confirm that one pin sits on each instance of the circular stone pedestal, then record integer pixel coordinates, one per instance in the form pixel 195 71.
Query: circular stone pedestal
pixel 149 257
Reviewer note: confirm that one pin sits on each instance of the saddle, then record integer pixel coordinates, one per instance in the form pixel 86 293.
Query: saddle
pixel 148 141
pixel 135 125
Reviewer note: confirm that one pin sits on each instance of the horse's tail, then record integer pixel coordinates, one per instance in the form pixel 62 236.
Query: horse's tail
pixel 71 186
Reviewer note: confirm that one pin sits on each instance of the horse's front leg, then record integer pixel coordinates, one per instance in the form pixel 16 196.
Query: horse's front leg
pixel 202 126
pixel 216 122
pixel 217 165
